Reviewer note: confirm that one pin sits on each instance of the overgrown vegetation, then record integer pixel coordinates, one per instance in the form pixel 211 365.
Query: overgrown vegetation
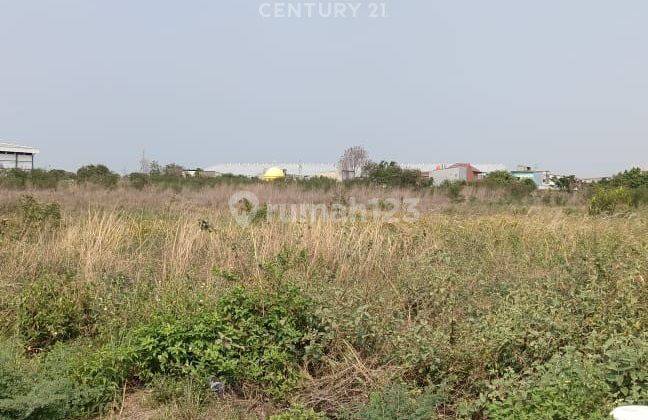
pixel 624 190
pixel 161 301
pixel 391 174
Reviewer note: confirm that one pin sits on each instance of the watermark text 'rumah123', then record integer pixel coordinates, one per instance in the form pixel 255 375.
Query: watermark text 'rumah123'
pixel 245 208
pixel 308 9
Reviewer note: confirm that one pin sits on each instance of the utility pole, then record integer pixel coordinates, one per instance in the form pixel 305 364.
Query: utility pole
pixel 145 164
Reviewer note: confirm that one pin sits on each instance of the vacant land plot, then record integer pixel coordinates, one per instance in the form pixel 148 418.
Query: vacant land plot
pixel 159 305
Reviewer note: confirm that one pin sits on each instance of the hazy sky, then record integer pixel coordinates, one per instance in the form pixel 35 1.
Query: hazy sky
pixel 558 83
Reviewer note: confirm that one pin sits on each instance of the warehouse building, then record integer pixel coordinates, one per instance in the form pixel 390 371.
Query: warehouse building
pixel 13 156
pixel 298 170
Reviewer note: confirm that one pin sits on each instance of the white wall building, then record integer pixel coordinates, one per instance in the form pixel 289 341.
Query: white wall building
pixel 13 156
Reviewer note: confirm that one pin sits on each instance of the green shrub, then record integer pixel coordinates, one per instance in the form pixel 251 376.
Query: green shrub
pixel 139 180
pixel 54 308
pixel 640 196
pixel 503 180
pixel 499 179
pixel 253 338
pixel 609 201
pixel 172 177
pixel 37 178
pixel 624 361
pixel 98 175
pixel 632 178
pixel 14 178
pixel 453 191
pixel 522 188
pixel 397 402
pixel 391 174
pixel 189 389
pixel 42 387
pixel 569 386
pixel 39 214
pixel 566 183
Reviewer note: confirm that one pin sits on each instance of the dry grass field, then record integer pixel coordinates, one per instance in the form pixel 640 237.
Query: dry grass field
pixel 128 304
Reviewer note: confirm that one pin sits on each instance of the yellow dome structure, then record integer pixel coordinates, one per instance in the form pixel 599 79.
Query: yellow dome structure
pixel 273 174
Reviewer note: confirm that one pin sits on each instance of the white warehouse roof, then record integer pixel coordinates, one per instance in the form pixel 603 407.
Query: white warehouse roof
pixel 257 169
pixel 15 148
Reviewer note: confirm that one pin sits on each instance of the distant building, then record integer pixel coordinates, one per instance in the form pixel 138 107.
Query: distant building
pixel 458 172
pixel 428 168
pixel 198 172
pixel 592 180
pixel 487 168
pixel 542 179
pixel 296 170
pixel 13 156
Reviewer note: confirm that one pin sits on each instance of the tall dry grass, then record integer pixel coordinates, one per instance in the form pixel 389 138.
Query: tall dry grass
pixel 392 289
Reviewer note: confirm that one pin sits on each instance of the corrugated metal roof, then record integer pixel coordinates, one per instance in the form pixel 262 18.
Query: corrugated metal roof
pixel 16 148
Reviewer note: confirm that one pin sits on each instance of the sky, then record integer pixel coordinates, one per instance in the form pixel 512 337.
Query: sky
pixel 560 84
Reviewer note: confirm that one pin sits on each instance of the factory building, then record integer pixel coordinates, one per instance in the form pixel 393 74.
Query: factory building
pixel 13 156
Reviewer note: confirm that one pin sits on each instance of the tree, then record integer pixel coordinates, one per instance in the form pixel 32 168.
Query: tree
pixel 173 170
pixel 352 162
pixel 499 178
pixel 389 173
pixel 633 178
pixel 155 168
pixel 97 174
pixel 566 183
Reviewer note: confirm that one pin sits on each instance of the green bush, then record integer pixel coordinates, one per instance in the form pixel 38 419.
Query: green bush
pixel 14 178
pixel 640 196
pixel 37 178
pixel 390 174
pixel 38 214
pixel 397 402
pixel 576 384
pixel 253 338
pixel 570 386
pixel 609 201
pixel 624 360
pixel 633 178
pixel 54 308
pixel 138 180
pixel 499 179
pixel 189 391
pixel 98 175
pixel 43 387
pixel 453 191
pixel 503 180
